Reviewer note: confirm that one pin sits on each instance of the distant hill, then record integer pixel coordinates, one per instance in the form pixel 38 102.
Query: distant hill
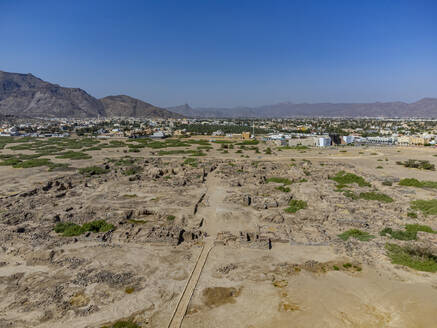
pixel 25 95
pixel 127 106
pixel 426 107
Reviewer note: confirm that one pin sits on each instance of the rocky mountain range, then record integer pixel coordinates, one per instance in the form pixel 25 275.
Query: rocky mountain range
pixel 131 107
pixel 426 107
pixel 25 95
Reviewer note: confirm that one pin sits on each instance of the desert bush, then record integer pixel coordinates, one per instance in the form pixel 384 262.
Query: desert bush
pixel 73 155
pixel 417 164
pixel 297 147
pixel 416 258
pixel 357 234
pixel 296 205
pixel 284 181
pixel 376 196
pixel 248 142
pixel 133 170
pixel 33 163
pixel 125 324
pixel 427 207
pixel 343 178
pixel 190 161
pixel 417 183
pixel 283 189
pixel 93 170
pixel 70 229
pixel 410 232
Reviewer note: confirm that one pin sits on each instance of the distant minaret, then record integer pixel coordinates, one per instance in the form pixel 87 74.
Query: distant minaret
pixel 253 129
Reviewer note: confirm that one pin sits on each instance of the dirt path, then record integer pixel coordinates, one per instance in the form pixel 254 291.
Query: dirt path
pixel 184 301
pixel 215 194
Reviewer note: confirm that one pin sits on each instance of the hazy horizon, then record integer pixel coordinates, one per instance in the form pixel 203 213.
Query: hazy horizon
pixel 227 54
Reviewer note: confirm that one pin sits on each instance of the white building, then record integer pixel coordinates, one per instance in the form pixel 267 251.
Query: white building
pixel 348 139
pixel 324 142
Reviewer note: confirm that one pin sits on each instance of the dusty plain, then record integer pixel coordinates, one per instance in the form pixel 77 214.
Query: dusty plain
pixel 263 266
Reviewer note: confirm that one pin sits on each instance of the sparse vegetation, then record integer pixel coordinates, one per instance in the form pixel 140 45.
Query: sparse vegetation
pixel 417 164
pixel 427 207
pixel 376 196
pixel 415 258
pixel 190 161
pixel 296 205
pixel 171 217
pixel 357 234
pixel 133 170
pixel 74 155
pixel 416 183
pixel 372 195
pixel 284 181
pixel 93 170
pixel 410 232
pixel 70 229
pixel 283 189
pixel 298 147
pixel 125 324
pixel 343 179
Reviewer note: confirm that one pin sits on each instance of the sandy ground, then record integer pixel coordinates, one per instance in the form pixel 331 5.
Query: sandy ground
pixel 241 285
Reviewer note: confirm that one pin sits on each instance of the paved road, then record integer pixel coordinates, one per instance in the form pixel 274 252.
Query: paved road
pixel 184 301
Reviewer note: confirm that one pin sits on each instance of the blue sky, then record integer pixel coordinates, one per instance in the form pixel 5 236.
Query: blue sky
pixel 228 52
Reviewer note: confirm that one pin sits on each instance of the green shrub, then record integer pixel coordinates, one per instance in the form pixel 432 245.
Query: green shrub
pixel 376 196
pixel 197 153
pixel 410 232
pixel 133 170
pixel 171 217
pixel 415 258
pixel 298 147
pixel 343 178
pixel 282 188
pixel 418 164
pixel 33 163
pixel 357 234
pixel 129 195
pixel 73 155
pixel 416 183
pixel 249 142
pixel 351 195
pixel 387 183
pixel 190 161
pixel 296 205
pixel 428 207
pixel 69 229
pixel 412 215
pixel 284 181
pixel 93 170
pixel 97 226
pixel 125 324
pixel 268 151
